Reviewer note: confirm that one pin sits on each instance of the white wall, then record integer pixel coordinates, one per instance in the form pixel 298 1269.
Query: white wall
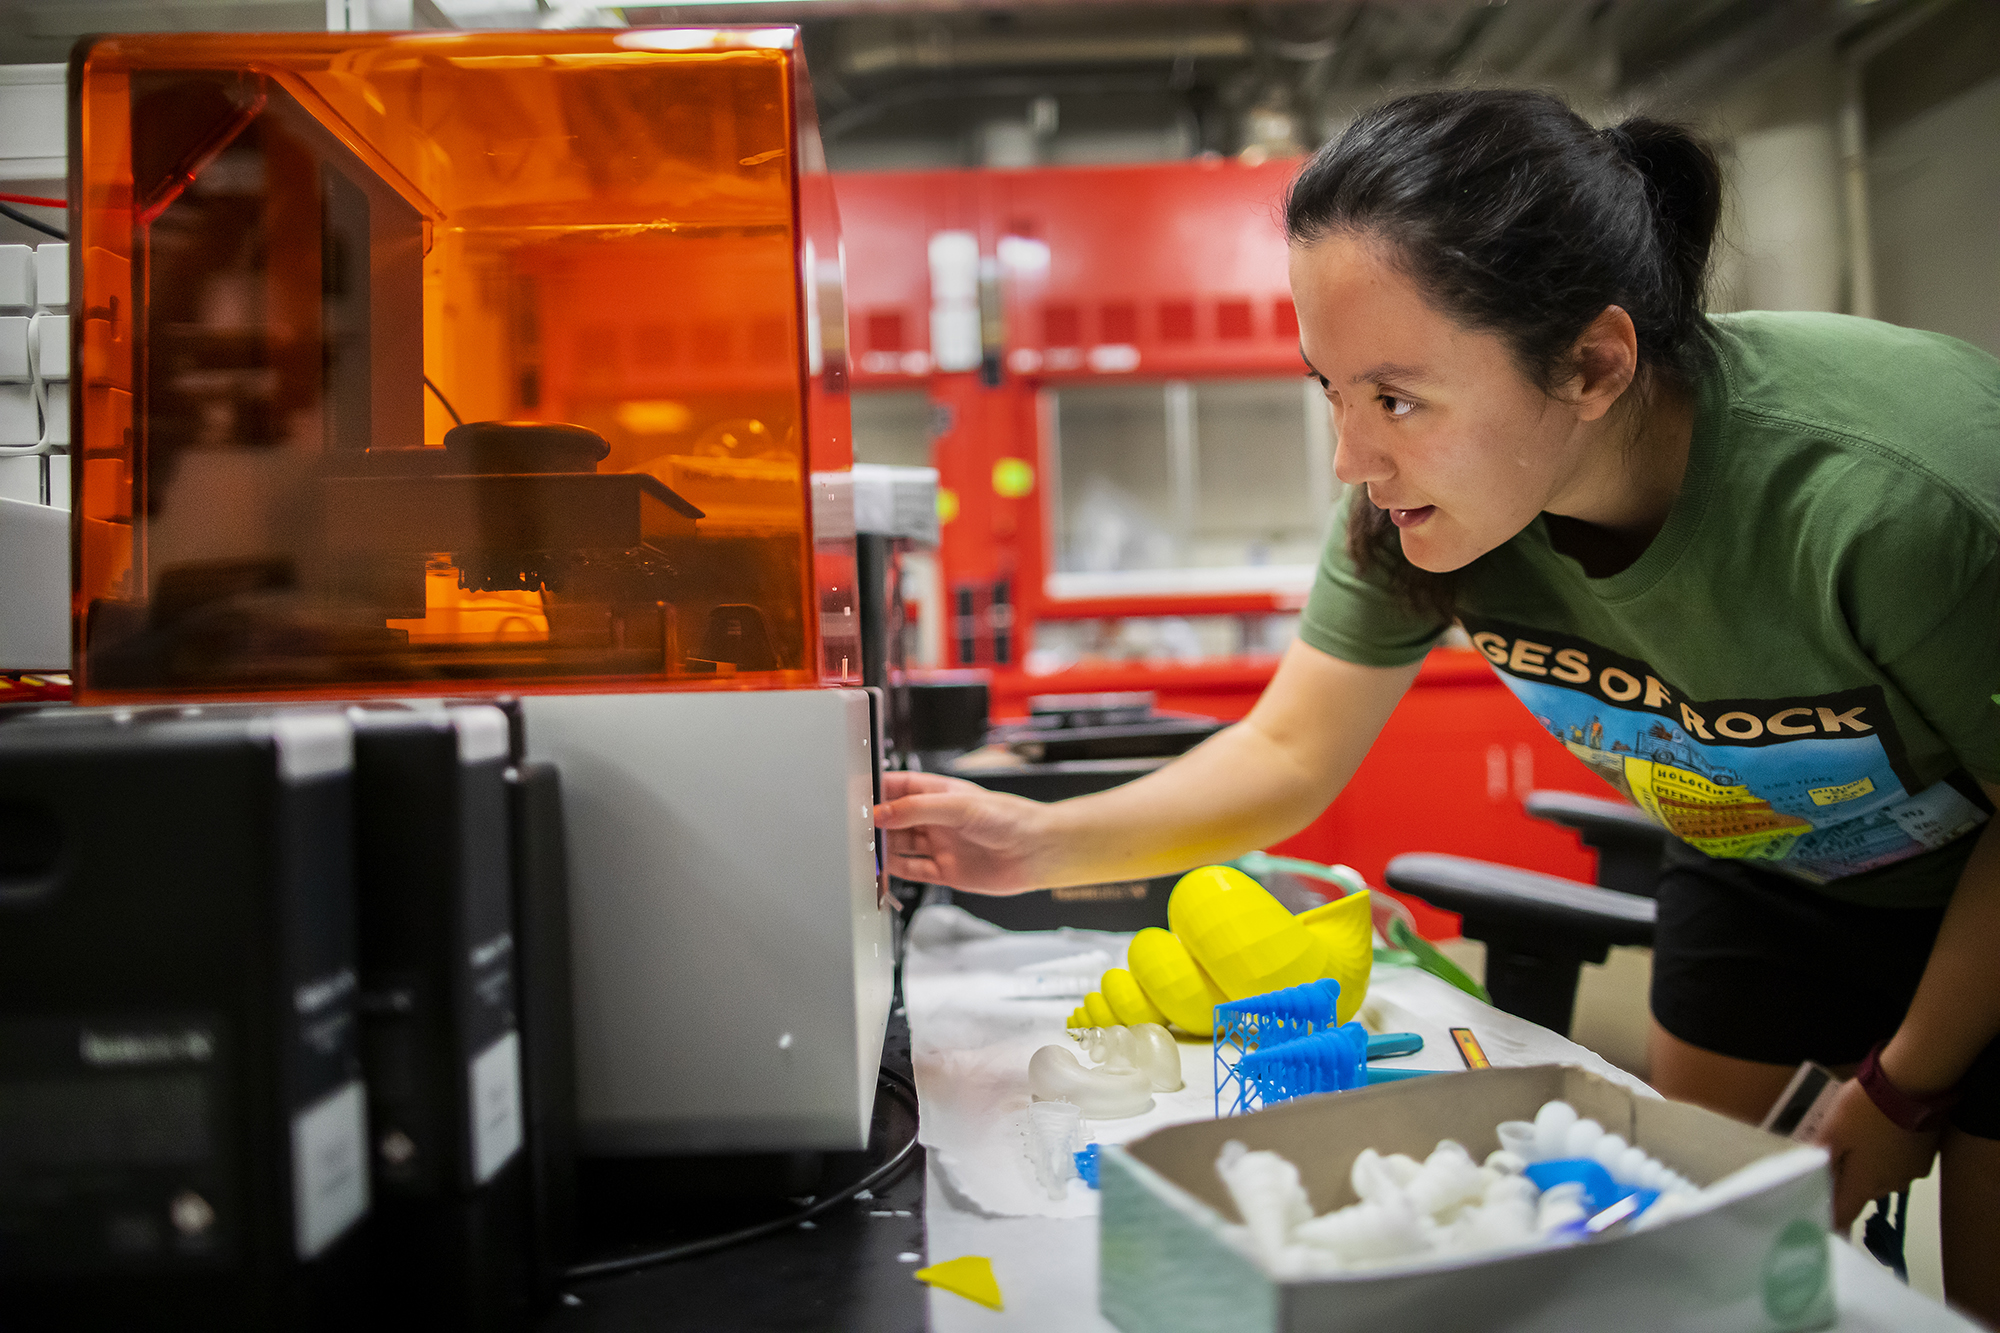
pixel 1934 201
pixel 1788 236
pixel 1783 241
pixel 1934 192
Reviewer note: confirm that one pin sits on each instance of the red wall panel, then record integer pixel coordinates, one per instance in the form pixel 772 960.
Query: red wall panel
pixel 1164 270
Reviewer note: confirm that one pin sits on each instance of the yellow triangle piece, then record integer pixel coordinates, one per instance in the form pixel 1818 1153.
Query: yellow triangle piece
pixel 970 1277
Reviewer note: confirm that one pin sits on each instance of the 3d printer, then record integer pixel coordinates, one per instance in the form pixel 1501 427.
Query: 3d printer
pixel 351 422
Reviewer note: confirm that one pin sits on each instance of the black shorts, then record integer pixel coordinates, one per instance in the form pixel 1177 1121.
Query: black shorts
pixel 1752 964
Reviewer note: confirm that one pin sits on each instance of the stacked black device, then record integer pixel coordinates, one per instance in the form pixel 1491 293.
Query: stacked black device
pixel 182 1137
pixel 404 908
pixel 440 1032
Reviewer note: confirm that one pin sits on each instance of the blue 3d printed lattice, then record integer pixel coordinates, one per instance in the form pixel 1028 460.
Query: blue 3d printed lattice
pixel 1324 1062
pixel 1263 1024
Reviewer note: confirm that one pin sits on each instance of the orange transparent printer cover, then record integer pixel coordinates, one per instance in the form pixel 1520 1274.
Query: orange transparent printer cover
pixel 444 362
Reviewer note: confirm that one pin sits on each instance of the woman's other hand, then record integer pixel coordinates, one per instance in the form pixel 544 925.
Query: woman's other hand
pixel 949 831
pixel 1872 1156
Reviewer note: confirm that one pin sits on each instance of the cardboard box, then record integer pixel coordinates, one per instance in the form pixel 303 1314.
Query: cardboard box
pixel 1755 1261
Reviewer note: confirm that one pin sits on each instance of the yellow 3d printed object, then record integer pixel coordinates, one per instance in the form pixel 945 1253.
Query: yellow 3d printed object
pixel 1230 940
pixel 1128 1001
pixel 970 1276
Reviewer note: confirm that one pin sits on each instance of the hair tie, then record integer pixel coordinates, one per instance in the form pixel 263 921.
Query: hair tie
pixel 1621 142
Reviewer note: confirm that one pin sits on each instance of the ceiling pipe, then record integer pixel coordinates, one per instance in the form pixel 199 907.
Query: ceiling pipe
pixel 946 90
pixel 1773 32
pixel 985 51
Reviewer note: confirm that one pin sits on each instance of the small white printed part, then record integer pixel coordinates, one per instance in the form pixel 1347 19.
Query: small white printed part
pixel 1155 1051
pixel 1054 1128
pixel 1267 1193
pixel 1503 1219
pixel 1145 1046
pixel 1552 1126
pixel 1560 1206
pixel 1442 1207
pixel 785 1041
pixel 1105 1093
pixel 1558 1133
pixel 1447 1182
pixel 1517 1137
pixel 1582 1139
pixel 1365 1232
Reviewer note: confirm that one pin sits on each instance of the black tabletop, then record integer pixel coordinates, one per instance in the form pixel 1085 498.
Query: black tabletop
pixel 849 1269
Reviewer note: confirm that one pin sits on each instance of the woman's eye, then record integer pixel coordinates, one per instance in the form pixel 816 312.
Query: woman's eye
pixel 1397 407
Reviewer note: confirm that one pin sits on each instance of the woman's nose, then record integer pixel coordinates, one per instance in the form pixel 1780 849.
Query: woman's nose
pixel 1356 459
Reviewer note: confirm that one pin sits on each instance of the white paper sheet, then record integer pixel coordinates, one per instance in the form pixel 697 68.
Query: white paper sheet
pixel 982 1000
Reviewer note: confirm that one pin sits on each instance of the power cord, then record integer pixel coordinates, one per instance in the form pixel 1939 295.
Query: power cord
pixel 26 220
pixel 456 420
pixel 896 1082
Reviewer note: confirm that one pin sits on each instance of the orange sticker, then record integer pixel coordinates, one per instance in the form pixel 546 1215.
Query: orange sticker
pixel 1469 1049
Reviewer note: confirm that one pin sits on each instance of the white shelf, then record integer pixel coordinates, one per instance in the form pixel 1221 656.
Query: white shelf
pixel 1294 580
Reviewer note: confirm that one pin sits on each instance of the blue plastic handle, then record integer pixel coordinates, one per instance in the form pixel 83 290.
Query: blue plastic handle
pixel 1389 1044
pixel 1599 1190
pixel 1382 1075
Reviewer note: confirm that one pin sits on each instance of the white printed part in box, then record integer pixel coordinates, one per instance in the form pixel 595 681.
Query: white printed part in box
pixel 1749 1260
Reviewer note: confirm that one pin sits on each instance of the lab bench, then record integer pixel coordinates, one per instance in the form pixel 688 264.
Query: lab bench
pixel 853 1269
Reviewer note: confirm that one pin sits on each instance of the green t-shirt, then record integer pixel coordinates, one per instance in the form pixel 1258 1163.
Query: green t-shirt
pixel 1802 667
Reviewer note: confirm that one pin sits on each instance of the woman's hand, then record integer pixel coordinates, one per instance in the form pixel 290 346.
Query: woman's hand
pixel 1872 1156
pixel 948 831
pixel 1249 785
pixel 1952 1017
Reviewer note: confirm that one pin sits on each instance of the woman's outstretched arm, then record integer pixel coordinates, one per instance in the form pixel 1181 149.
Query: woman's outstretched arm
pixel 1249 785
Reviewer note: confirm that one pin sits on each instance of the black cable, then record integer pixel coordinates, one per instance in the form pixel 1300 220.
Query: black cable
pixel 47 229
pixel 455 419
pixel 882 1174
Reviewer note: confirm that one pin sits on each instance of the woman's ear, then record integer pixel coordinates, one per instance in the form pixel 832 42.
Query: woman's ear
pixel 1604 362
